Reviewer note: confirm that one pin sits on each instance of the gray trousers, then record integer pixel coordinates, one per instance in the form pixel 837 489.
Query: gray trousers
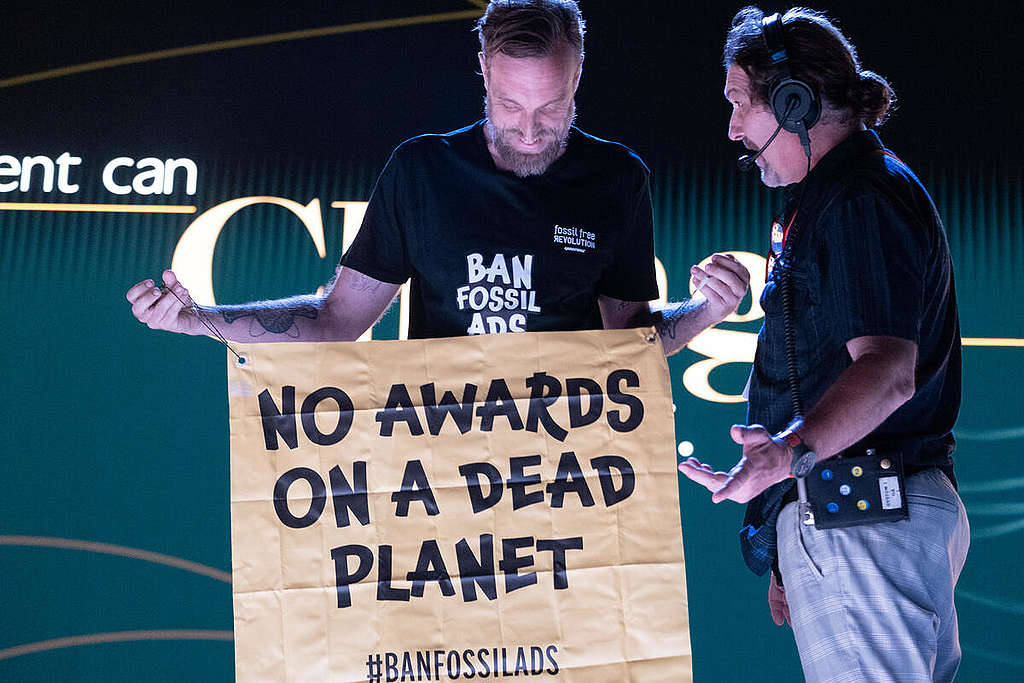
pixel 875 602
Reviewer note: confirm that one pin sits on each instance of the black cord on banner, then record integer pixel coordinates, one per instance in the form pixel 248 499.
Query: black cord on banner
pixel 209 324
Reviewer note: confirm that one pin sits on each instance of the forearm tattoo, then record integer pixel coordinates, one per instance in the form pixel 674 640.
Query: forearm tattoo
pixel 671 316
pixel 273 320
pixel 669 321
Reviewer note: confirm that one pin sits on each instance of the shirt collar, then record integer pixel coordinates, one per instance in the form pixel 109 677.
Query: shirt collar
pixel 835 161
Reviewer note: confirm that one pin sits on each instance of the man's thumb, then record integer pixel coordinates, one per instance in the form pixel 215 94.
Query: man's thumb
pixel 743 434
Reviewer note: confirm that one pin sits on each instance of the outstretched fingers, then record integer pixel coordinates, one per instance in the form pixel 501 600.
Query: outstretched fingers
pixel 733 487
pixel 703 474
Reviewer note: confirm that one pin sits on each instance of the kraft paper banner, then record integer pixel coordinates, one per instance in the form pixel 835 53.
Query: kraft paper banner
pixel 484 507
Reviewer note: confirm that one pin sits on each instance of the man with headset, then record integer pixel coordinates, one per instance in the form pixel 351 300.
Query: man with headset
pixel 853 504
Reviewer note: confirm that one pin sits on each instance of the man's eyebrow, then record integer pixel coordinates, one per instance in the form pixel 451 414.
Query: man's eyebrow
pixel 557 100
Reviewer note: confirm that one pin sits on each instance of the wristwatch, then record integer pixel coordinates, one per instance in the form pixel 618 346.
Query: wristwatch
pixel 803 457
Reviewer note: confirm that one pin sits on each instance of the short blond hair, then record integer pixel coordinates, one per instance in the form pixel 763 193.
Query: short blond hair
pixel 530 28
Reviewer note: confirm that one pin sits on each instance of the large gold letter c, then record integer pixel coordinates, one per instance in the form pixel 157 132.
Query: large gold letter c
pixel 193 257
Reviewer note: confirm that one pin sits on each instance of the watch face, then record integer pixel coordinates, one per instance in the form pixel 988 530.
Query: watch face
pixel 802 464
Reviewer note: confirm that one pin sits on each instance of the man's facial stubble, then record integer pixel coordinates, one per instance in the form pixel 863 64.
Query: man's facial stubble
pixel 527 164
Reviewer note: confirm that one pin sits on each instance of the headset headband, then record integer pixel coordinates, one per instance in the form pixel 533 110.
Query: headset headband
pixel 771 29
pixel 794 103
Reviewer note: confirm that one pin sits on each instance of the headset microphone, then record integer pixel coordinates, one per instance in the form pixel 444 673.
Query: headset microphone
pixel 746 162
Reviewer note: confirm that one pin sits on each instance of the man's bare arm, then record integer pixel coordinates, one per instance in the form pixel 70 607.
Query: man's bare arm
pixel 724 282
pixel 353 303
pixel 677 323
pixel 880 380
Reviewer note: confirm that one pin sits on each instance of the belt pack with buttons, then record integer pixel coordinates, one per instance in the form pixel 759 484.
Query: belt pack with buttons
pixel 850 490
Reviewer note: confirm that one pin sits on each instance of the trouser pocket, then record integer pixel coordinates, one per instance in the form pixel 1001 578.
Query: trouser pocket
pixel 805 540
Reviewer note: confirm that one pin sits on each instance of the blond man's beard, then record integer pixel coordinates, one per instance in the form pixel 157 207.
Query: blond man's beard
pixel 521 163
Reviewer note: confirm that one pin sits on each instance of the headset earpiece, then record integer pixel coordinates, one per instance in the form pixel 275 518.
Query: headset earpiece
pixel 794 103
pixel 800 102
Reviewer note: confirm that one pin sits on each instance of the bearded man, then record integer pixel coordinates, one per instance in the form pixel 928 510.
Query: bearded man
pixel 518 222
pixel 853 505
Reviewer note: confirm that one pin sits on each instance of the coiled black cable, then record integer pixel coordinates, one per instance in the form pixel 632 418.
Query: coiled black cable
pixel 788 325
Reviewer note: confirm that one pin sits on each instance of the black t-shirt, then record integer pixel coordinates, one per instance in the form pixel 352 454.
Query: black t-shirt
pixel 488 251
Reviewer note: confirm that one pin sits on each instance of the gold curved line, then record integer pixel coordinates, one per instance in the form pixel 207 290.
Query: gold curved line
pixel 123 551
pixel 101 208
pixel 239 42
pixel 992 341
pixel 113 637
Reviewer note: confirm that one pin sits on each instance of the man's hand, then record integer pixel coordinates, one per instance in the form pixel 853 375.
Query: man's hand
pixel 723 282
pixel 777 601
pixel 765 461
pixel 160 309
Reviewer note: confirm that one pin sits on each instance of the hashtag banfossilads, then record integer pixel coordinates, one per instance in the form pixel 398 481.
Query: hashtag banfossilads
pixel 435 665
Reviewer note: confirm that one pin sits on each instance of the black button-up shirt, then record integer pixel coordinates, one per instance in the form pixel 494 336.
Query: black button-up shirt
pixel 868 257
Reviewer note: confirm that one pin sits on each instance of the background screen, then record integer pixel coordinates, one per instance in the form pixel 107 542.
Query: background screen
pixel 115 528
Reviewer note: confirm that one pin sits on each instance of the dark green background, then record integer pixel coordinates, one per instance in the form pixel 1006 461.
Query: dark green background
pixel 117 434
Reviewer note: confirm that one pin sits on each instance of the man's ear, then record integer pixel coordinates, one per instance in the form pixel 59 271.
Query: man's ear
pixel 579 73
pixel 483 66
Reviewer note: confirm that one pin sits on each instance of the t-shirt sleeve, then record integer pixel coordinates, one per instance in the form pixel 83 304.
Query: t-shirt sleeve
pixel 872 267
pixel 630 274
pixel 379 249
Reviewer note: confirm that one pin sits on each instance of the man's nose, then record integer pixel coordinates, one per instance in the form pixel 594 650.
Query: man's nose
pixel 735 128
pixel 530 127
